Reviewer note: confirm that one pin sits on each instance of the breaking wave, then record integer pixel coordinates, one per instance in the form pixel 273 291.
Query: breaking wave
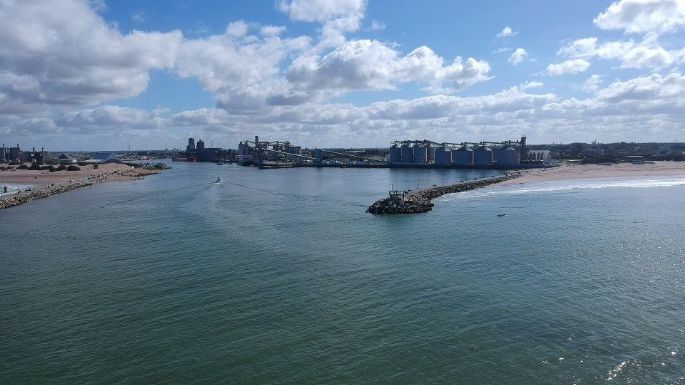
pixel 571 185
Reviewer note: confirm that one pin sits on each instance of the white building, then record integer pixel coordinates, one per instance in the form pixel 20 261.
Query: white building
pixel 544 156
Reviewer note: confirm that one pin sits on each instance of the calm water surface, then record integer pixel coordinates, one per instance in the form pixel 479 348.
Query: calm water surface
pixel 280 277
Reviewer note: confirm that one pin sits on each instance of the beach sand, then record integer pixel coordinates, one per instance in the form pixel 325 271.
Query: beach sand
pixel 38 178
pixel 597 171
pixel 44 183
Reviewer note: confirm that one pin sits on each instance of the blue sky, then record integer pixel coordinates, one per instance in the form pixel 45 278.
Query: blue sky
pixel 78 74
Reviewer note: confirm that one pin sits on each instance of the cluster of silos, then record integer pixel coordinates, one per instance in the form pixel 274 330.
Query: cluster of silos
pixel 406 153
pixel 481 156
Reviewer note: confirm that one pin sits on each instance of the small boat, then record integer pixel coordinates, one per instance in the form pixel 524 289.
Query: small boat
pixel 501 215
pixel 218 180
pixel 219 163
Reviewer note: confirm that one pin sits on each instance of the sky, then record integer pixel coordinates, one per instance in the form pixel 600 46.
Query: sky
pixel 106 75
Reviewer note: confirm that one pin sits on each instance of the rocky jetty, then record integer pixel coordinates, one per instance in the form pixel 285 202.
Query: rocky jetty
pixel 419 201
pixel 32 194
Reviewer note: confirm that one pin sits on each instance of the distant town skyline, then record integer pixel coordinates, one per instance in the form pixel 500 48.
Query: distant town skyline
pixel 105 75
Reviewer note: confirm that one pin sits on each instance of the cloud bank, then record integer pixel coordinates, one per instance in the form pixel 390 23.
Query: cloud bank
pixel 62 74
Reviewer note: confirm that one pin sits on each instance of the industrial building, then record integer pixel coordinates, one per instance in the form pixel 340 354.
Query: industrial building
pixel 544 156
pixel 15 155
pixel 197 152
pixel 425 153
pixel 275 154
pixel 11 154
pixel 265 152
pixel 509 154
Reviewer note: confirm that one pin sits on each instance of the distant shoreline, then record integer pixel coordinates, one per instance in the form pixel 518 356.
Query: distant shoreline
pixel 45 184
pixel 599 171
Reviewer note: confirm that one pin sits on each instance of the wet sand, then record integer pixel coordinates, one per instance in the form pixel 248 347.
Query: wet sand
pixel 597 171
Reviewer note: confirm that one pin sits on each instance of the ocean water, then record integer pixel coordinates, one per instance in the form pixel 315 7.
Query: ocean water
pixel 280 277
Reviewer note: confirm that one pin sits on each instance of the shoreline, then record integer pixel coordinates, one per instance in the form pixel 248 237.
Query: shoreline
pixel 45 184
pixel 625 171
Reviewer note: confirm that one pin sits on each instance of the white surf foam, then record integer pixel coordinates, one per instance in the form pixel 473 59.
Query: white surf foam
pixel 571 185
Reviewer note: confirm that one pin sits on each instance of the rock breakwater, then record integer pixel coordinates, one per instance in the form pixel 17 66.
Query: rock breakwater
pixel 419 201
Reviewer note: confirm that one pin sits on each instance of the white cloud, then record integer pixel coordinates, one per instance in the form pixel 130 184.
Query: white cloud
pixel 45 57
pixel 506 32
pixel 592 83
pixel 359 64
pixel 518 56
pixel 201 117
pixel 643 16
pixel 243 76
pixel 572 66
pixel 580 48
pixel 237 29
pixel 531 85
pixel 648 17
pixel 376 25
pixel 650 91
pixel 46 61
pixel 54 81
pixel 138 17
pixel 338 17
pixel 645 54
pixel 271 30
pixel 370 64
pixel 111 117
pixel 643 108
pixel 322 10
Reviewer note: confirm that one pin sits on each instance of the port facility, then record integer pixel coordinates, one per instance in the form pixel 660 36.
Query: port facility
pixel 509 154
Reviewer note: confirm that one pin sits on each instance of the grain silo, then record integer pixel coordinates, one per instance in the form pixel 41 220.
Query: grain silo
pixel 407 153
pixel 482 156
pixel 507 157
pixel 421 154
pixel 395 154
pixel 462 157
pixel 443 156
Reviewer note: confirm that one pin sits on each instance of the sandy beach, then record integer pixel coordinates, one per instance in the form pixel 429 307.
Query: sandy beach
pixel 597 171
pixel 39 184
pixel 40 178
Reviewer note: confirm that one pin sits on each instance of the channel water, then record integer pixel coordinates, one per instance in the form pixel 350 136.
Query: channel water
pixel 280 277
